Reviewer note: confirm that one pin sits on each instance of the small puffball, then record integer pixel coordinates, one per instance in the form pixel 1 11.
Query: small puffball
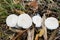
pixel 51 23
pixel 37 20
pixel 24 21
pixel 11 20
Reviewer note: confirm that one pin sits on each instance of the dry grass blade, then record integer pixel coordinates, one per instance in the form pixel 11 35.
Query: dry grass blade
pixel 18 11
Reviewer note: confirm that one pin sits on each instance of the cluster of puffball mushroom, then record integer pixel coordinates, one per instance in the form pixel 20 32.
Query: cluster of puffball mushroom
pixel 25 21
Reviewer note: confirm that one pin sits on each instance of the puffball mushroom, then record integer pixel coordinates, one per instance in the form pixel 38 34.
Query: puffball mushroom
pixel 51 23
pixel 11 20
pixel 37 20
pixel 24 20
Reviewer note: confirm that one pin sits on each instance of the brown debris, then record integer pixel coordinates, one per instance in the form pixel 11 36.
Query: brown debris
pixel 30 34
pixel 34 5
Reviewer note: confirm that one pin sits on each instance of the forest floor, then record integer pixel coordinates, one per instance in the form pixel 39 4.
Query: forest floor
pixel 49 7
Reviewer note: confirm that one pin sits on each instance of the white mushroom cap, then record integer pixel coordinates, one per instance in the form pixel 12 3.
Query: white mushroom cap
pixel 37 20
pixel 24 21
pixel 51 23
pixel 11 20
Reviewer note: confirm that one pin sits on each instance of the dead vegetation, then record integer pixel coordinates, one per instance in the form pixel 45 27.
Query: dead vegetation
pixel 51 8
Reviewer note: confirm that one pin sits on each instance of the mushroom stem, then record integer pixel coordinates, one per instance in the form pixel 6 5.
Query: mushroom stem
pixel 30 34
pixel 43 26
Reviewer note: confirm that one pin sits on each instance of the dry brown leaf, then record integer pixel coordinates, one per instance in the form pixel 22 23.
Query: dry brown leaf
pixel 36 38
pixel 34 5
pixel 41 33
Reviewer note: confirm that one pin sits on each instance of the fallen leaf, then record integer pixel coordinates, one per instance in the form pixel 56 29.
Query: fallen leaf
pixel 34 5
pixel 37 35
pixel 41 32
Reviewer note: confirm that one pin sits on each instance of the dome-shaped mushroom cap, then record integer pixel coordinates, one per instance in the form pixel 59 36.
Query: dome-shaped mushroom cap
pixel 24 20
pixel 51 23
pixel 11 20
pixel 37 20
